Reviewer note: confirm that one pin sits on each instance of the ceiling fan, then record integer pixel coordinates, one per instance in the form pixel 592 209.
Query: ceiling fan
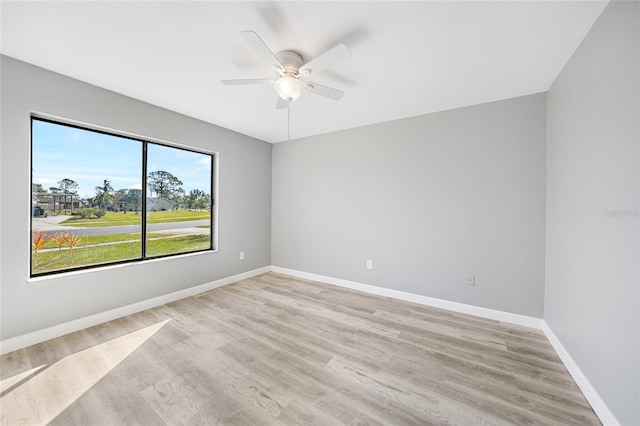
pixel 291 70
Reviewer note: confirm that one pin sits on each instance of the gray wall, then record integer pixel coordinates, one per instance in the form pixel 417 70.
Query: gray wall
pixel 244 202
pixel 592 300
pixel 428 199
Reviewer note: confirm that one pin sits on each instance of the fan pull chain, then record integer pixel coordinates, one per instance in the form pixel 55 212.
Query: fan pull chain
pixel 289 121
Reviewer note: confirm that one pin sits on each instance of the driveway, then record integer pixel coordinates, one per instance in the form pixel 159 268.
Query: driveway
pixel 50 223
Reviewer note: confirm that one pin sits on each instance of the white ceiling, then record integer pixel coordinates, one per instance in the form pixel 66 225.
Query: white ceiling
pixel 408 58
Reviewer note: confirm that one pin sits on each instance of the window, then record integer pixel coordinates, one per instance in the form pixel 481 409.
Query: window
pixel 101 198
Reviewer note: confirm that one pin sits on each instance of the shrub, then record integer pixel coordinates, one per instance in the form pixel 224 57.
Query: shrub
pixel 86 213
pixel 38 240
pixel 72 241
pixel 59 239
pixel 99 213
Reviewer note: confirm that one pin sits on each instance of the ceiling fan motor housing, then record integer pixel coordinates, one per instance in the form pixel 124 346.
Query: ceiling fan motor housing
pixel 291 60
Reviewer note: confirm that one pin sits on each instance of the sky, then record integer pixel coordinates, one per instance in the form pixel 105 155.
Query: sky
pixel 88 157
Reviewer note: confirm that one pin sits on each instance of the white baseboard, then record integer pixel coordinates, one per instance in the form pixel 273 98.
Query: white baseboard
pixel 19 342
pixel 602 411
pixel 464 308
pixel 592 396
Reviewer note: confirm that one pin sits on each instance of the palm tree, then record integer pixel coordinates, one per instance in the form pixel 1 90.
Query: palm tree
pixel 104 194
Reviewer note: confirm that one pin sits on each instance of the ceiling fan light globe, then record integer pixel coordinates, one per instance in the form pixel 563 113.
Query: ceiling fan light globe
pixel 289 88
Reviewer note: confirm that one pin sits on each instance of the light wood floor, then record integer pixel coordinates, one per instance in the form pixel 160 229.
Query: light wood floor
pixel 276 350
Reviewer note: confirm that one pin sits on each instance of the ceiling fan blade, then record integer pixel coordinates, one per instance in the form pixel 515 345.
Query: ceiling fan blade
pixel 330 57
pixel 261 48
pixel 235 82
pixel 282 103
pixel 326 91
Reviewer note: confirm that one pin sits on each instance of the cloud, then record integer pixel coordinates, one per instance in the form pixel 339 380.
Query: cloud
pixel 205 161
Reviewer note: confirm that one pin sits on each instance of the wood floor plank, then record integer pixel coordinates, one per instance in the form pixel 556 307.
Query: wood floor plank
pixel 277 350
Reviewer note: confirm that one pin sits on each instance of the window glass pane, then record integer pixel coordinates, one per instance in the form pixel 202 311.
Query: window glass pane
pixel 89 203
pixel 178 201
pixel 86 198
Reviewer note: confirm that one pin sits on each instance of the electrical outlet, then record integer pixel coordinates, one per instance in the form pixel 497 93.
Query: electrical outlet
pixel 470 280
pixel 369 264
pixel 241 255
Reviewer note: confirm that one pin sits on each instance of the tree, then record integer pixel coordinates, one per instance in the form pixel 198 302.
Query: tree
pixel 36 190
pixel 68 186
pixel 178 199
pixel 129 199
pixel 197 199
pixel 37 187
pixel 104 194
pixel 134 198
pixel 165 185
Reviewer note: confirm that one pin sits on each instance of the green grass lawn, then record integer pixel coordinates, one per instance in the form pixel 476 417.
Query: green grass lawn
pixel 130 218
pixel 183 244
pixel 127 250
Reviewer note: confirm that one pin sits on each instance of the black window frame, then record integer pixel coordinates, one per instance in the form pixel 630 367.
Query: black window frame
pixel 143 231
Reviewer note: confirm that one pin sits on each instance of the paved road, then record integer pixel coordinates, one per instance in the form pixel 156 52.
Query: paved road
pixel 126 229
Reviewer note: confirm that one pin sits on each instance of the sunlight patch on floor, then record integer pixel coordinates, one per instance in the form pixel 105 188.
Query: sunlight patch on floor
pixel 47 394
pixel 11 381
